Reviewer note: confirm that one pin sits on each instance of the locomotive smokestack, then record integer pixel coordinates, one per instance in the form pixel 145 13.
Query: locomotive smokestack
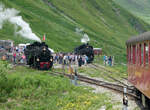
pixel 11 15
pixel 85 39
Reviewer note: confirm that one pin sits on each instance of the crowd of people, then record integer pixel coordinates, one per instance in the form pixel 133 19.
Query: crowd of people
pixel 14 54
pixel 18 55
pixel 70 58
pixel 108 60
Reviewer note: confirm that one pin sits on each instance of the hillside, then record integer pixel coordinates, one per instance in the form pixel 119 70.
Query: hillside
pixel 140 8
pixel 107 24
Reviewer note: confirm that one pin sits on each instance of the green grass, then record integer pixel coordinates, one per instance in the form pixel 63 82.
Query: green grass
pixel 23 88
pixel 118 71
pixel 107 24
pixel 139 8
pixel 92 72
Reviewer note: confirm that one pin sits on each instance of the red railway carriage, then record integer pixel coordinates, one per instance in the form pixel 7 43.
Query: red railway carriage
pixel 138 56
pixel 97 51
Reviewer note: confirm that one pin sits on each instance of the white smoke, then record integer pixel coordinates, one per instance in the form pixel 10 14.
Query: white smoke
pixel 11 15
pixel 85 38
pixel 78 30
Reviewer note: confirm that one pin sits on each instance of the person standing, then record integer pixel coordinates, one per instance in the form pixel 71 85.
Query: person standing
pixel 86 57
pixel 80 61
pixel 14 57
pixel 75 77
pixel 83 60
pixel 60 58
pixel 125 102
pixel 71 74
pixel 57 58
pixel 104 59
pixel 76 59
pixel 64 59
pixel 110 61
pixel 23 58
pixel 17 49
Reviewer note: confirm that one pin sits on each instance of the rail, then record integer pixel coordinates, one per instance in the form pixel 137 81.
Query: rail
pixel 115 87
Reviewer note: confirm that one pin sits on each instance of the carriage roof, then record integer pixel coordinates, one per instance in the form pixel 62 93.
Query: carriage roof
pixel 140 38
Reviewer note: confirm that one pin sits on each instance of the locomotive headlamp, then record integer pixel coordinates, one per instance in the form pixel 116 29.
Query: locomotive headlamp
pixel 37 59
pixel 51 59
pixel 44 48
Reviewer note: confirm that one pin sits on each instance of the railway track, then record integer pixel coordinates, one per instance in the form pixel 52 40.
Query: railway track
pixel 106 74
pixel 115 87
pixel 131 88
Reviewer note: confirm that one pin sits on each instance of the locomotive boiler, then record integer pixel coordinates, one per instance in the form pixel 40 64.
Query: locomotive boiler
pixel 85 49
pixel 39 56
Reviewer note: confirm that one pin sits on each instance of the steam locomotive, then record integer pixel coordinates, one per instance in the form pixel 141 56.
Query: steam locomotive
pixel 39 56
pixel 85 49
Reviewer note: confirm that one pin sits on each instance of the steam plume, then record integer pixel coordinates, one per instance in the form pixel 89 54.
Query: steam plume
pixel 11 15
pixel 85 38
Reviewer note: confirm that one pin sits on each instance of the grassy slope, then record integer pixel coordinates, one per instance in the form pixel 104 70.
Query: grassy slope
pixel 108 25
pixel 140 8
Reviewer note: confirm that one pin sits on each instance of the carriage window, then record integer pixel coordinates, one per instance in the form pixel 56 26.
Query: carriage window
pixel 134 54
pixel 128 54
pixel 146 53
pixel 131 54
pixel 137 54
pixel 141 54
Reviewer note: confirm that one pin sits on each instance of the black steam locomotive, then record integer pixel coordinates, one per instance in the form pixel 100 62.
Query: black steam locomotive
pixel 85 49
pixel 39 56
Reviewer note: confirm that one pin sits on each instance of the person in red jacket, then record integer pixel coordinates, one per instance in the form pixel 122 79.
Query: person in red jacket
pixel 14 57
